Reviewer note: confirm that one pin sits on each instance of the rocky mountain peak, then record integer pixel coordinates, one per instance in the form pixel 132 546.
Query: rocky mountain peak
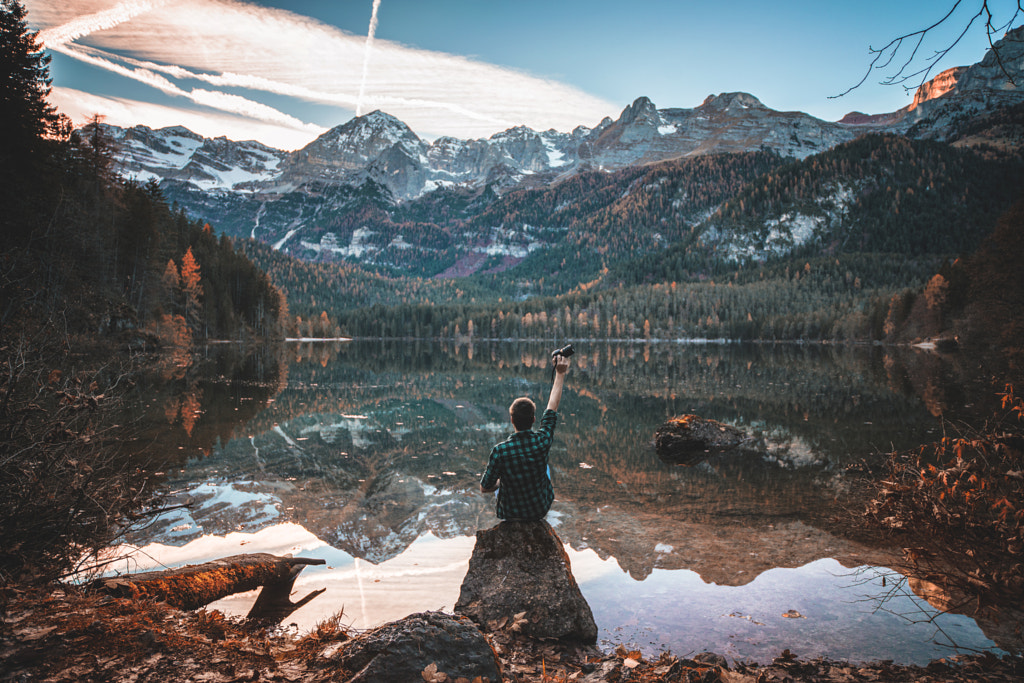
pixel 179 131
pixel 938 86
pixel 516 133
pixel 956 95
pixel 351 148
pixel 859 118
pixel 377 128
pixel 642 110
pixel 731 100
pixel 1006 56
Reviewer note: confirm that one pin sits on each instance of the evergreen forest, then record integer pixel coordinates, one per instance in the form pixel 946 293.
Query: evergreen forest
pixel 684 249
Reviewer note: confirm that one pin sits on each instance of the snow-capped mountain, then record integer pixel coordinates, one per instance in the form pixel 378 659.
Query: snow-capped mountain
pixel 302 201
pixel 378 146
pixel 351 148
pixel 176 153
pixel 731 122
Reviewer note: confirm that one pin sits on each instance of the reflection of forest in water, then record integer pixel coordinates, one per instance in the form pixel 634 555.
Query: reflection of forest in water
pixel 370 445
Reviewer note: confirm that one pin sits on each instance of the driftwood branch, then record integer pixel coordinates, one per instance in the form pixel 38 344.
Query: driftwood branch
pixel 274 603
pixel 193 586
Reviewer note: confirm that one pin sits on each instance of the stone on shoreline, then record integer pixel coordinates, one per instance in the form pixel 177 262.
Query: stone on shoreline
pixel 519 578
pixel 431 642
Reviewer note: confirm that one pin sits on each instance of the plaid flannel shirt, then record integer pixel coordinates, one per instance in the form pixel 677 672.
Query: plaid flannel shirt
pixel 520 463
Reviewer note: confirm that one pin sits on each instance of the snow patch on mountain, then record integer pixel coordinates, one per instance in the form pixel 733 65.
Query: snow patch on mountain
pixel 357 247
pixel 400 243
pixel 280 243
pixel 517 243
pixel 781 234
pixel 232 177
pixel 555 157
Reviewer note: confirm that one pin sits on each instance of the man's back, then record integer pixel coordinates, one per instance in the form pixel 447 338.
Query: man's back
pixel 518 467
pixel 521 464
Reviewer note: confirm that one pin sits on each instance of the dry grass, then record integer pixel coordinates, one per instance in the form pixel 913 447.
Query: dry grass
pixel 958 506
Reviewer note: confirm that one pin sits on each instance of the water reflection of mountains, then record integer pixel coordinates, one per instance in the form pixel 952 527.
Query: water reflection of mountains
pixel 371 445
pixel 855 399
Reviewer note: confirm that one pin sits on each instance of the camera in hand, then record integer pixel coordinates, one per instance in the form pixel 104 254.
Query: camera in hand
pixel 566 351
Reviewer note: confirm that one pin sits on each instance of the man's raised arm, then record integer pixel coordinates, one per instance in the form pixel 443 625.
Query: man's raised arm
pixel 561 368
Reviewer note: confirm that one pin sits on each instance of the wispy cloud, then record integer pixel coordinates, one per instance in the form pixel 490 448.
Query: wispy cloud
pixel 226 102
pixel 261 83
pixel 235 45
pixel 98 21
pixel 119 111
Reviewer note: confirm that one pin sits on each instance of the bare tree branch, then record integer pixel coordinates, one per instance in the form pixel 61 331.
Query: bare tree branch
pixel 908 70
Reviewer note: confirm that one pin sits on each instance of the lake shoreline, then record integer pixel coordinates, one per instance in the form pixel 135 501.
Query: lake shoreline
pixel 60 633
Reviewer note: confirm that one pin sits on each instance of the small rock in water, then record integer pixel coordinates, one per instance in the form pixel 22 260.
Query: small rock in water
pixel 688 439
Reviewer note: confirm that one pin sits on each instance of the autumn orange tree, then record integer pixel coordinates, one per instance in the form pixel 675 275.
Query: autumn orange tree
pixel 192 289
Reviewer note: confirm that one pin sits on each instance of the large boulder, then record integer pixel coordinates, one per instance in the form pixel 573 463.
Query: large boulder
pixel 519 578
pixel 688 439
pixel 420 647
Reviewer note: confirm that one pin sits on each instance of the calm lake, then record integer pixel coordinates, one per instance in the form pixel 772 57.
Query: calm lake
pixel 368 454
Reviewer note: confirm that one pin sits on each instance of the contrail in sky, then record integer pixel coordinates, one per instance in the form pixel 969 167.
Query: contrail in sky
pixel 98 21
pixel 366 56
pixel 170 44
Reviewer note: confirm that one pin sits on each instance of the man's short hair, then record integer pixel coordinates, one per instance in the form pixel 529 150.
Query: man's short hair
pixel 523 413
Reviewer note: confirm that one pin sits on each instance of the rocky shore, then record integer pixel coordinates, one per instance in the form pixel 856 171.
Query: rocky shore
pixel 520 617
pixel 63 635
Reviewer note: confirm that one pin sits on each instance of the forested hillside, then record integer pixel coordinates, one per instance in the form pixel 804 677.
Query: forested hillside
pixel 820 300
pixel 86 253
pixel 880 194
pixel 315 291
pixel 743 246
pixel 113 257
pixel 599 219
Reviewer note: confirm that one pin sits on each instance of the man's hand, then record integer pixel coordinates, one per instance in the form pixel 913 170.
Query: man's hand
pixel 561 364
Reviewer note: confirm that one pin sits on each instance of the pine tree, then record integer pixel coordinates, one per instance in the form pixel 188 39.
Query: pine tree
pixel 26 119
pixel 25 115
pixel 192 287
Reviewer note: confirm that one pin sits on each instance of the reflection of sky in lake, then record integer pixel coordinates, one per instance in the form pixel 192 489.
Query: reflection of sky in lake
pixel 831 611
pixel 371 461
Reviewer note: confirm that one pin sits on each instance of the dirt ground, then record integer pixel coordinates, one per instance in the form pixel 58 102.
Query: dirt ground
pixel 62 635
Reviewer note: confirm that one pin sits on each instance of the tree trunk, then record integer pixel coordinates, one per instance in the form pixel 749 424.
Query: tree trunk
pixel 193 586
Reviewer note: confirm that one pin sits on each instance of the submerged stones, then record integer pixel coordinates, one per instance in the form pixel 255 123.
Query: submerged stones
pixel 688 439
pixel 519 578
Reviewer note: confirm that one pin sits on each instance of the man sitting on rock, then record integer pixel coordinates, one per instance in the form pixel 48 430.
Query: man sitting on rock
pixel 518 467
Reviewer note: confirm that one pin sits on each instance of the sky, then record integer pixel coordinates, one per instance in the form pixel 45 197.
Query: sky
pixel 284 72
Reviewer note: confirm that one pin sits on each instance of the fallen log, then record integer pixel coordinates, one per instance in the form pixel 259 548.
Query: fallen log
pixel 195 585
pixel 274 603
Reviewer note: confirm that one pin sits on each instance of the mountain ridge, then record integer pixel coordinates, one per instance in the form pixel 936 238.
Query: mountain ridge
pixel 312 202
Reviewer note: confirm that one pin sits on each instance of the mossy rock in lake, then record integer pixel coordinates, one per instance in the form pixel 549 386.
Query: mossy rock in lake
pixel 688 439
